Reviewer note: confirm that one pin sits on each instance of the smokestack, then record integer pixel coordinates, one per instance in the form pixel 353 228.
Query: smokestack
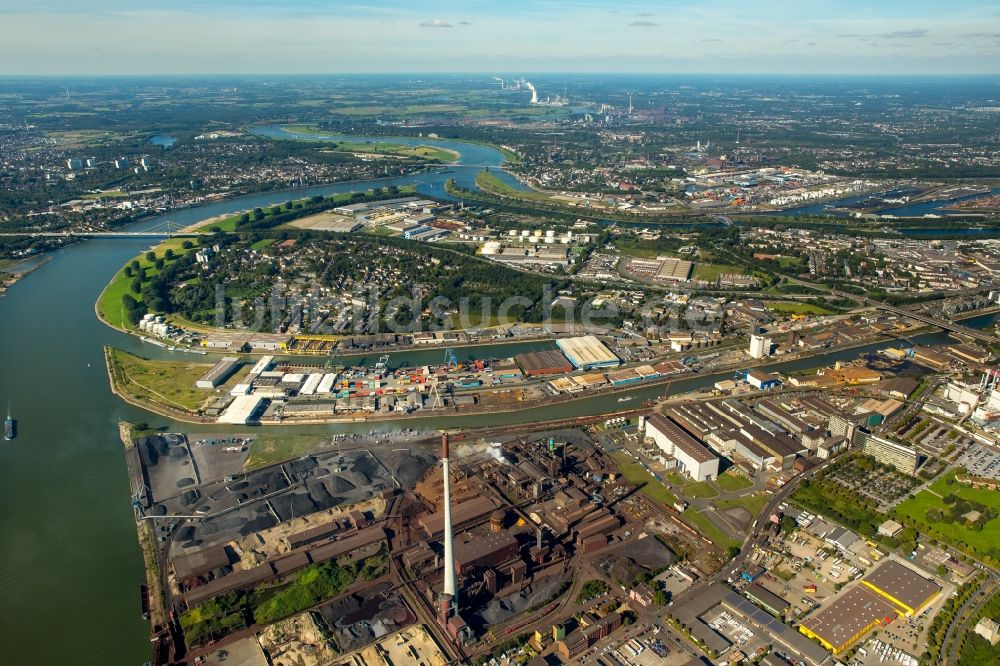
pixel 450 591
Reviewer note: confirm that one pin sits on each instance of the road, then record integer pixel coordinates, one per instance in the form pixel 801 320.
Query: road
pixel 963 618
pixel 754 539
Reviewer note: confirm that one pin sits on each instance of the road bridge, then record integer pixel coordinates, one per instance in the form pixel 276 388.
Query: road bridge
pixel 944 324
pixel 101 234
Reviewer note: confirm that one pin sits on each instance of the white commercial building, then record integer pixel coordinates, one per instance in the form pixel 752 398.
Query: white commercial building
pixel 694 458
pixel 760 346
pixel 241 410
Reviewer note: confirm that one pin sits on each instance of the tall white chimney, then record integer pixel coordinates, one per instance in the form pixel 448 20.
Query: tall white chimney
pixel 450 588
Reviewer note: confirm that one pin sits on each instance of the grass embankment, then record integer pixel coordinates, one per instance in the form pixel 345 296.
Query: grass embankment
pixel 797 308
pixel 265 605
pixel 169 384
pixel 109 304
pixel 980 540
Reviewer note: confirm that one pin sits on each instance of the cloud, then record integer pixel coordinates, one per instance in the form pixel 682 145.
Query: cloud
pixel 436 23
pixel 711 39
pixel 644 24
pixel 919 33
pixel 465 22
pixel 644 14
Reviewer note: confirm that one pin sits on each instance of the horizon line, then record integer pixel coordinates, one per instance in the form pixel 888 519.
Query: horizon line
pixel 519 72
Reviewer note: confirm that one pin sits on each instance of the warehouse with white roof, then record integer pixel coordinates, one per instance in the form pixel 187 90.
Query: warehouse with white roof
pixel 587 352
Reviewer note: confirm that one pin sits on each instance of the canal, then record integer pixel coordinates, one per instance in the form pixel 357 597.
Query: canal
pixel 69 564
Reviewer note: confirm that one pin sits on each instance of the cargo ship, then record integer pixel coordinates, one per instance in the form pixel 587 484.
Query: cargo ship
pixel 9 428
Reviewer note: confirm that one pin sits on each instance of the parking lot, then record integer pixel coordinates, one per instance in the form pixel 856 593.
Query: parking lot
pixel 981 460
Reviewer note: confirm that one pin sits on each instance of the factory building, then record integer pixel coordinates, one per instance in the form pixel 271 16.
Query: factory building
pixel 766 599
pixel 587 353
pixel 548 362
pixel 219 373
pixel 692 457
pixel 242 410
pixel 484 551
pixel 762 380
pixel 463 514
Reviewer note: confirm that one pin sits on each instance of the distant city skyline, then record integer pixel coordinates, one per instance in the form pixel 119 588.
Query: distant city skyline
pixel 674 36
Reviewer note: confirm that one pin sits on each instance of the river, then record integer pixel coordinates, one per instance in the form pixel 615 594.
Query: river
pixel 915 209
pixel 69 564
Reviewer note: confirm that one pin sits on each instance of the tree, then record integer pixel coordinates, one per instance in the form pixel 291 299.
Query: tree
pixel 128 271
pixel 169 254
pixel 136 286
pixel 133 309
pixel 150 256
pixel 187 245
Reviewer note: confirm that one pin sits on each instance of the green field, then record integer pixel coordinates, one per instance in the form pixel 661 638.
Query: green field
pixel 270 448
pixel 699 521
pixel 636 475
pixel 167 383
pixel 486 180
pixel 753 503
pixel 711 272
pixel 699 490
pixel 796 308
pixel 981 541
pixel 733 482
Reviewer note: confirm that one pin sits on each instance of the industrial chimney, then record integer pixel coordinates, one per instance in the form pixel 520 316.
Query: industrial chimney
pixel 449 597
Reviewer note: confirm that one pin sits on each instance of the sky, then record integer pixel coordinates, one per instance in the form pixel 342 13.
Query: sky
pixel 96 37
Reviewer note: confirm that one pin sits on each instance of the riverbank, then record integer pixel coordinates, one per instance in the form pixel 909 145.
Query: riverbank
pixel 16 274
pixel 155 597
